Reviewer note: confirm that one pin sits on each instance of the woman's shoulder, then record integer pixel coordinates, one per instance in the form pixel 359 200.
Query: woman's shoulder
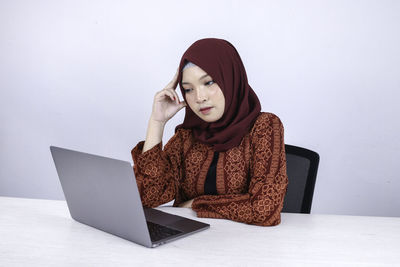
pixel 265 122
pixel 266 118
pixel 265 126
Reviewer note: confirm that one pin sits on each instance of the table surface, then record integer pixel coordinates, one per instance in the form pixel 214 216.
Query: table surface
pixel 42 233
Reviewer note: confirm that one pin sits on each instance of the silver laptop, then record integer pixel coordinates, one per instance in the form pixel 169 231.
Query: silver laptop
pixel 102 192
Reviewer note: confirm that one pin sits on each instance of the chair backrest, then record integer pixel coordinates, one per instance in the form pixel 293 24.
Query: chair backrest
pixel 302 167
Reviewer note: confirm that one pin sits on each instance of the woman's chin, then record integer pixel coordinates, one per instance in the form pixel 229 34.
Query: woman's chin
pixel 209 117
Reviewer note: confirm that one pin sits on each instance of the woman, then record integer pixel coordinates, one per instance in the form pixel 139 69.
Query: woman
pixel 227 158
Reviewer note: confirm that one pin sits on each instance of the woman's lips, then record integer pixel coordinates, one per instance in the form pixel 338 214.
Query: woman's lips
pixel 205 110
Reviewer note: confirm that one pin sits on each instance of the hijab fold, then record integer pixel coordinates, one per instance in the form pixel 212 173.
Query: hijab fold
pixel 220 59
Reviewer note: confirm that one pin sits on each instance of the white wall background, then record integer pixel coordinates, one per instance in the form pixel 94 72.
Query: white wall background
pixel 82 75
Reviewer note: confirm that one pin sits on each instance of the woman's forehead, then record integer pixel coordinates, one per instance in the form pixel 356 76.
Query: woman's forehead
pixel 193 73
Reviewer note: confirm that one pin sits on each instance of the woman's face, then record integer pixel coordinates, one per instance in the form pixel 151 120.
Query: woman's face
pixel 203 95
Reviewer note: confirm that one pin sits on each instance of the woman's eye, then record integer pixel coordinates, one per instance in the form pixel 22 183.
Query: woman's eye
pixel 208 83
pixel 187 90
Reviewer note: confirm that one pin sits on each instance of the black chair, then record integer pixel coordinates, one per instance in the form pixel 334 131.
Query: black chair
pixel 302 167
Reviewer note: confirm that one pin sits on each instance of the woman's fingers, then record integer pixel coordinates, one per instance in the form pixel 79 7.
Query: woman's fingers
pixel 173 83
pixel 168 92
pixel 175 79
pixel 163 108
pixel 165 93
pixel 186 204
pixel 173 94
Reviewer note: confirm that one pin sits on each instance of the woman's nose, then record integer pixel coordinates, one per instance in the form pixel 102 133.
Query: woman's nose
pixel 201 96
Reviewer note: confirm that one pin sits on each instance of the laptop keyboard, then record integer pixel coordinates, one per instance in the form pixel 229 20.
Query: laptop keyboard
pixel 158 232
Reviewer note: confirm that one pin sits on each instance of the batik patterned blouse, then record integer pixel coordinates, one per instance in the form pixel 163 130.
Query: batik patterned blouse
pixel 251 178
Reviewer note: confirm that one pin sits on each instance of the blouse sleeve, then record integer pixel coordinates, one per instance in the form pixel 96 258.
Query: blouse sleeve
pixel 263 202
pixel 158 171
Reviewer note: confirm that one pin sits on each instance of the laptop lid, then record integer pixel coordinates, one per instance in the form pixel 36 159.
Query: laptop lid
pixel 102 192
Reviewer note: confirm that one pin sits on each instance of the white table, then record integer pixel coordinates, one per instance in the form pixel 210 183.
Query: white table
pixel 41 233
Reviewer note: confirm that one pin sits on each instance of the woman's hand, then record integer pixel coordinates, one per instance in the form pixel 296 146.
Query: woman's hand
pixel 187 204
pixel 166 102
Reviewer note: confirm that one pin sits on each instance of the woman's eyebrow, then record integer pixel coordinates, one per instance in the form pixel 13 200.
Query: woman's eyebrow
pixel 205 75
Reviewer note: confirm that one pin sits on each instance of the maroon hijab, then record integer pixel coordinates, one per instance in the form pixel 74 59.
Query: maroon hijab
pixel 220 59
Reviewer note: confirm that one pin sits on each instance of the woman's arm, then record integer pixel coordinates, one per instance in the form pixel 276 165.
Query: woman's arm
pixel 155 131
pixel 264 201
pixel 158 171
pixel 166 104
